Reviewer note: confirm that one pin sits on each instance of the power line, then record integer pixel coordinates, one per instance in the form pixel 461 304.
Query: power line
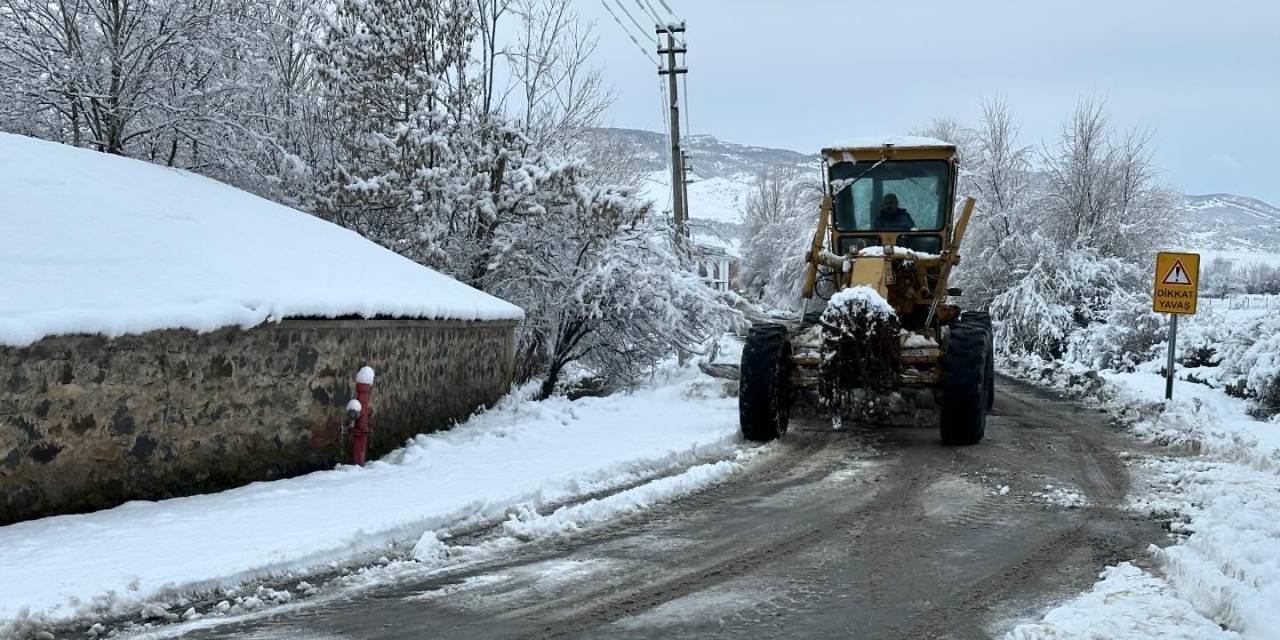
pixel 652 14
pixel 684 80
pixel 629 34
pixel 634 21
pixel 673 14
pixel 666 123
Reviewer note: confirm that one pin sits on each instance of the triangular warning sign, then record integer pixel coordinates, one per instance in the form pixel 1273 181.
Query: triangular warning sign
pixel 1177 275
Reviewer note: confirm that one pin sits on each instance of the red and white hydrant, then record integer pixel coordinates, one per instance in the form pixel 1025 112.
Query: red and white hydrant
pixel 359 410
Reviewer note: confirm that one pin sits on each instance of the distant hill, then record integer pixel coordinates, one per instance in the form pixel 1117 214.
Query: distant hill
pixel 1231 222
pixel 709 156
pixel 725 173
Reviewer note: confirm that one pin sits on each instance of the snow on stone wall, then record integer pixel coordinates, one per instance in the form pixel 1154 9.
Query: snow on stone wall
pixel 88 422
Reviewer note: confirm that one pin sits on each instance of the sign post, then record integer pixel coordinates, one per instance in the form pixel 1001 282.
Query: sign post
pixel 1177 283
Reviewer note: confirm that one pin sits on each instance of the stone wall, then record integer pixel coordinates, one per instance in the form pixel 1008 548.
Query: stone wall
pixel 88 422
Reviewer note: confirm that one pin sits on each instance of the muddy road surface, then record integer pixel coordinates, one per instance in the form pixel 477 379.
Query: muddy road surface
pixel 858 533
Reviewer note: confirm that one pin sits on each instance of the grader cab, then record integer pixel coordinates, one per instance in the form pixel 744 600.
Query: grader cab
pixel 884 338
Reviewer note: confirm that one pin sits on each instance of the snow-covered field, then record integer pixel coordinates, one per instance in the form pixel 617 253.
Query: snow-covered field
pixel 505 466
pixel 111 245
pixel 1241 257
pixel 1220 486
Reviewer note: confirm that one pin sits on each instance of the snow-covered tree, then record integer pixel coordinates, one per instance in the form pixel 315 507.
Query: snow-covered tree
pixel 997 171
pixel 560 93
pixel 948 129
pixel 98 73
pixel 602 282
pixel 781 215
pixel 391 72
pixel 1102 190
pixel 185 83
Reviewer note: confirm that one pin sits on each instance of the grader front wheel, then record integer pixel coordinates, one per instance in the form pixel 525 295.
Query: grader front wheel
pixel 984 318
pixel 966 384
pixel 764 388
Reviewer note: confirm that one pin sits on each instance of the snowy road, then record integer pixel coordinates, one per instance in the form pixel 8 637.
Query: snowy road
pixel 862 533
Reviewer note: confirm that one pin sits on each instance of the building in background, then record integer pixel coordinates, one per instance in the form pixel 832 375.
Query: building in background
pixel 717 266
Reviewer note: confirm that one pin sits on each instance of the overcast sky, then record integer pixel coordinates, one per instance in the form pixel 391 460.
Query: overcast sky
pixel 1204 76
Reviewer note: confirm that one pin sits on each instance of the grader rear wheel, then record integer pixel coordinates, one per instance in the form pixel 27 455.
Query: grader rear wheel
pixel 965 385
pixel 764 388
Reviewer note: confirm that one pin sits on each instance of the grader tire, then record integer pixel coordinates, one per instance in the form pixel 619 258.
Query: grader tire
pixel 984 318
pixel 764 387
pixel 965 387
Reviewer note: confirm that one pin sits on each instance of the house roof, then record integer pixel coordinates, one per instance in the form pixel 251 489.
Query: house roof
pixel 110 245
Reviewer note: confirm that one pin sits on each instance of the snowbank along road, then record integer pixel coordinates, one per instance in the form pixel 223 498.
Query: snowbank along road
pixel 869 533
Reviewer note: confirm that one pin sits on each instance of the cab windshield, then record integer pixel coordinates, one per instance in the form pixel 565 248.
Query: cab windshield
pixel 919 188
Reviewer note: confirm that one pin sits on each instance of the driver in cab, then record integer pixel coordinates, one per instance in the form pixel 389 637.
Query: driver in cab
pixel 892 217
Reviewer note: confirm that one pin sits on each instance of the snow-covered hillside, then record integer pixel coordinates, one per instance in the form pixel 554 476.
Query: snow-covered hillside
pixel 1230 222
pixel 110 245
pixel 721 199
pixel 723 175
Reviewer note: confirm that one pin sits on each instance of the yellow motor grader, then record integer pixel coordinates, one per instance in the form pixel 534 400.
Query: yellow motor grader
pixel 886 337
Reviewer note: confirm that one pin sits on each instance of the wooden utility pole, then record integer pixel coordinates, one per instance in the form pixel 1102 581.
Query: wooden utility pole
pixel 679 208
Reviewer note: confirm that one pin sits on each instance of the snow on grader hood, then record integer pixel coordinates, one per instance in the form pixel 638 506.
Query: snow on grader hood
pixel 887 340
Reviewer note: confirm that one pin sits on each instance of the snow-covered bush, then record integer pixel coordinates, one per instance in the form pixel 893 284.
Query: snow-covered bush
pixel 1261 362
pixel 1062 293
pixel 1124 338
pixel 1249 353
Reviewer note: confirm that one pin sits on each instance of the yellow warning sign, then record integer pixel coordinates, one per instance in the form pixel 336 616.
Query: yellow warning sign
pixel 1177 283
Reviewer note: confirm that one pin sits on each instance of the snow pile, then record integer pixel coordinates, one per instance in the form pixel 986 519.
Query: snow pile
pixel 1229 564
pixel 1127 603
pixel 916 340
pixel 430 547
pixel 857 300
pixel 527 524
pixel 1061 497
pixel 1200 419
pixel 114 246
pixel 521 455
